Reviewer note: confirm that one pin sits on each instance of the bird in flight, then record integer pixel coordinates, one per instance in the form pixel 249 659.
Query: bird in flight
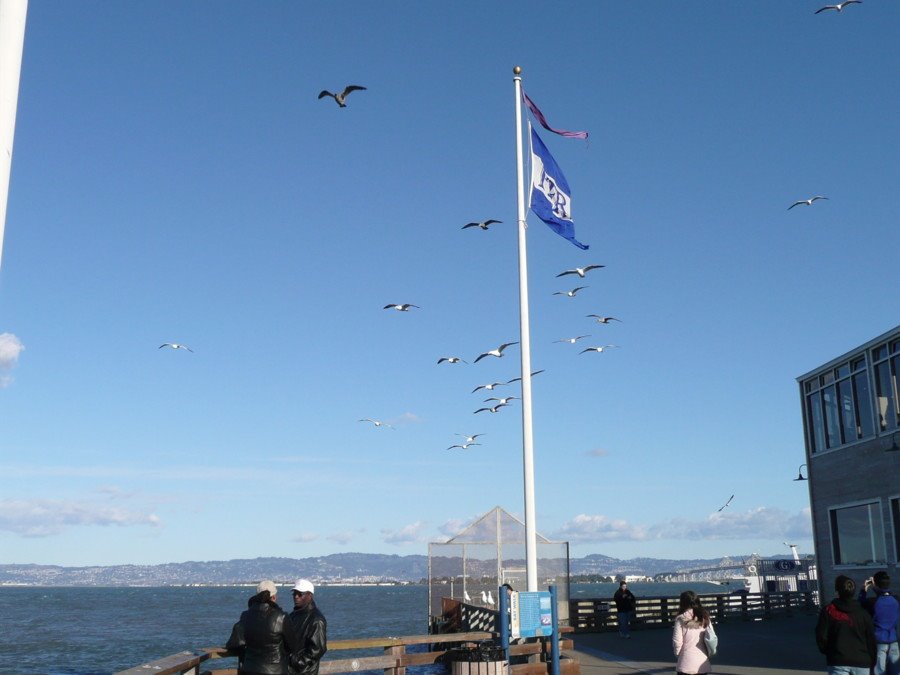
pixel 489 387
pixel 342 97
pixel 726 503
pixel 580 271
pixel 496 352
pixel 401 308
pixel 517 379
pixel 484 224
pixel 503 401
pixel 471 439
pixel 840 6
pixel 603 319
pixel 464 446
pixel 493 409
pixel 571 293
pixel 451 359
pixel 377 423
pixel 806 202
pixel 572 340
pixel 602 348
pixel 175 345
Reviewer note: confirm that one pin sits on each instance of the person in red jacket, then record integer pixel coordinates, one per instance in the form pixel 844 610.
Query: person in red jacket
pixel 845 633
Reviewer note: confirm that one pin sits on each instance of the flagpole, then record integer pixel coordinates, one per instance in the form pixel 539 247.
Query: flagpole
pixel 12 41
pixel 531 574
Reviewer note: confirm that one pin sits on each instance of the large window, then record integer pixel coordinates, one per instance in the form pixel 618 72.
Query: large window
pixel 857 535
pixel 839 406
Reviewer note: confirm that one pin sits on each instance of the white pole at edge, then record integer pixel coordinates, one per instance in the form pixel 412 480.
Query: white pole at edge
pixel 525 344
pixel 12 41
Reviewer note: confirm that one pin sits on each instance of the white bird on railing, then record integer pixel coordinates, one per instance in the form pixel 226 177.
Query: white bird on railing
pixel 466 596
pixel 490 599
pixel 484 597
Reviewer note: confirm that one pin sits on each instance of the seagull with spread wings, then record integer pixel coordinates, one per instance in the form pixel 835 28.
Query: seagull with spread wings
pixel 175 345
pixel 517 379
pixel 572 340
pixel 341 98
pixel 503 401
pixel 580 271
pixel 492 409
pixel 490 386
pixel 571 293
pixel 451 359
pixel 602 348
pixel 401 308
pixel 603 319
pixel 471 439
pixel 377 423
pixel 464 446
pixel 806 202
pixel 725 504
pixel 496 352
pixel 484 224
pixel 840 6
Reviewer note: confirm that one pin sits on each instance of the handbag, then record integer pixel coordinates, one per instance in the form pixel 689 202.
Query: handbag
pixel 711 640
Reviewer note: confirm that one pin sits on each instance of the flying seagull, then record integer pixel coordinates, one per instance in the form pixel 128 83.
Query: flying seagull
pixel 571 293
pixel 840 6
pixel 471 439
pixel 572 340
pixel 451 359
pixel 726 503
pixel 342 97
pixel 496 352
pixel 493 409
pixel 401 308
pixel 377 423
pixel 489 387
pixel 604 319
pixel 175 345
pixel 464 446
pixel 503 401
pixel 598 349
pixel 484 224
pixel 806 202
pixel 516 379
pixel 580 271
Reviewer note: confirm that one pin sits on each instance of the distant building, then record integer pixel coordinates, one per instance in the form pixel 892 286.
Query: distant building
pixel 851 424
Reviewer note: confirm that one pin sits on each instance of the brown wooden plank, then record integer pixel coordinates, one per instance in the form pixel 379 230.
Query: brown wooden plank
pixel 169 665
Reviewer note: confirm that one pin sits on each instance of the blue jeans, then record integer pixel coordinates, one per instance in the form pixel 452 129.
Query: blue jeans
pixel 847 670
pixel 887 656
pixel 625 622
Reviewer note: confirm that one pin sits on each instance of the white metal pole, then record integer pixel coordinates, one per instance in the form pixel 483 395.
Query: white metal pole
pixel 525 344
pixel 12 41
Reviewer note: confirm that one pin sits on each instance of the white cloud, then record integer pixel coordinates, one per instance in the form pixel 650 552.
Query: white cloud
pixel 405 418
pixel 10 348
pixel 344 537
pixel 46 517
pixel 758 523
pixel 597 452
pixel 407 534
pixel 305 538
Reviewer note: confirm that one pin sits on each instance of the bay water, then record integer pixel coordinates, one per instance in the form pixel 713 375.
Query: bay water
pixel 97 631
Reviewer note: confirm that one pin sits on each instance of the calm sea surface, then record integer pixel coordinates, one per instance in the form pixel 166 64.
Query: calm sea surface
pixel 88 631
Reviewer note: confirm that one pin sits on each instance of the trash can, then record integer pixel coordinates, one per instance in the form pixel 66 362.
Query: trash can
pixel 480 660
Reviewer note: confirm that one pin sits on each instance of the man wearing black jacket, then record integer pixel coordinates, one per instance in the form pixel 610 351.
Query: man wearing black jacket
pixel 264 639
pixel 845 633
pixel 310 626
pixel 625 603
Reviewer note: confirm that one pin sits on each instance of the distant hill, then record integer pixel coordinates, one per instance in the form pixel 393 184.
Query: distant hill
pixel 335 568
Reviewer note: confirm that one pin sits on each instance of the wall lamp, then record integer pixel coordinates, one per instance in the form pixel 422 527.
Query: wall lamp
pixel 800 475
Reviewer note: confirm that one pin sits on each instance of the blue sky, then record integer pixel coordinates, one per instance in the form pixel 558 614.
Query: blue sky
pixel 175 179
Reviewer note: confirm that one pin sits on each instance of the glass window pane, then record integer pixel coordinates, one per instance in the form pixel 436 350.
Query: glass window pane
pixel 879 352
pixel 856 365
pixel 863 399
pixel 857 535
pixel 895 510
pixel 827 378
pixel 884 396
pixel 814 419
pixel 843 371
pixel 832 424
pixel 895 388
pixel 848 412
pixel 895 346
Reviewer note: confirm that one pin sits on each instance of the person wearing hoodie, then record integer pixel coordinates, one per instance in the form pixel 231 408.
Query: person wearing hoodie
pixel 687 636
pixel 264 638
pixel 885 611
pixel 845 633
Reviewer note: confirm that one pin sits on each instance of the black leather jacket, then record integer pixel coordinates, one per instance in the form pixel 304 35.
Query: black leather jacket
pixel 311 627
pixel 263 639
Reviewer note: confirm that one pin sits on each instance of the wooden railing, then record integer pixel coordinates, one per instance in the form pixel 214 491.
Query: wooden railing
pixel 598 615
pixel 393 661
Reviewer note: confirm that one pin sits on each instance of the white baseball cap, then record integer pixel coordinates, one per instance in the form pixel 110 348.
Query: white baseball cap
pixel 304 586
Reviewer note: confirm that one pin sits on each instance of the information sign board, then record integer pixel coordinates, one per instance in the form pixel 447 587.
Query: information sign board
pixel 531 614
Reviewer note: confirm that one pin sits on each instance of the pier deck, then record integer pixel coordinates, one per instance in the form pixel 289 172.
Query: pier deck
pixel 782 646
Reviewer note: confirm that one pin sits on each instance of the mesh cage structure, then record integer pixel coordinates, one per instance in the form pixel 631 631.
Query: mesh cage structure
pixel 488 553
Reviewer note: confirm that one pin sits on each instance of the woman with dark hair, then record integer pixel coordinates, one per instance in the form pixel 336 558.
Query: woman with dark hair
pixel 845 633
pixel 687 636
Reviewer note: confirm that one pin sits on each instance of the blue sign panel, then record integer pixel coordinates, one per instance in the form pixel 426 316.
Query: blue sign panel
pixel 532 614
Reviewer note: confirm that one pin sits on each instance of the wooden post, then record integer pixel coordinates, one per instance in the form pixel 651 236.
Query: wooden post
pixel 397 651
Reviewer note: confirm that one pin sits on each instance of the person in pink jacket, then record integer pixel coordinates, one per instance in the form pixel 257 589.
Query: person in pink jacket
pixel 687 636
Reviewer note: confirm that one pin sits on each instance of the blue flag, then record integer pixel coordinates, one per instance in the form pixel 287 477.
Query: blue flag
pixel 551 198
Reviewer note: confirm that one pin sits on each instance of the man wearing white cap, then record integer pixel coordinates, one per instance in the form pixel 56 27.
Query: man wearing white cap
pixel 310 626
pixel 264 639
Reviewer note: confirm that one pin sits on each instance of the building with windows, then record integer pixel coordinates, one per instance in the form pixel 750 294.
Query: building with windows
pixel 851 424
